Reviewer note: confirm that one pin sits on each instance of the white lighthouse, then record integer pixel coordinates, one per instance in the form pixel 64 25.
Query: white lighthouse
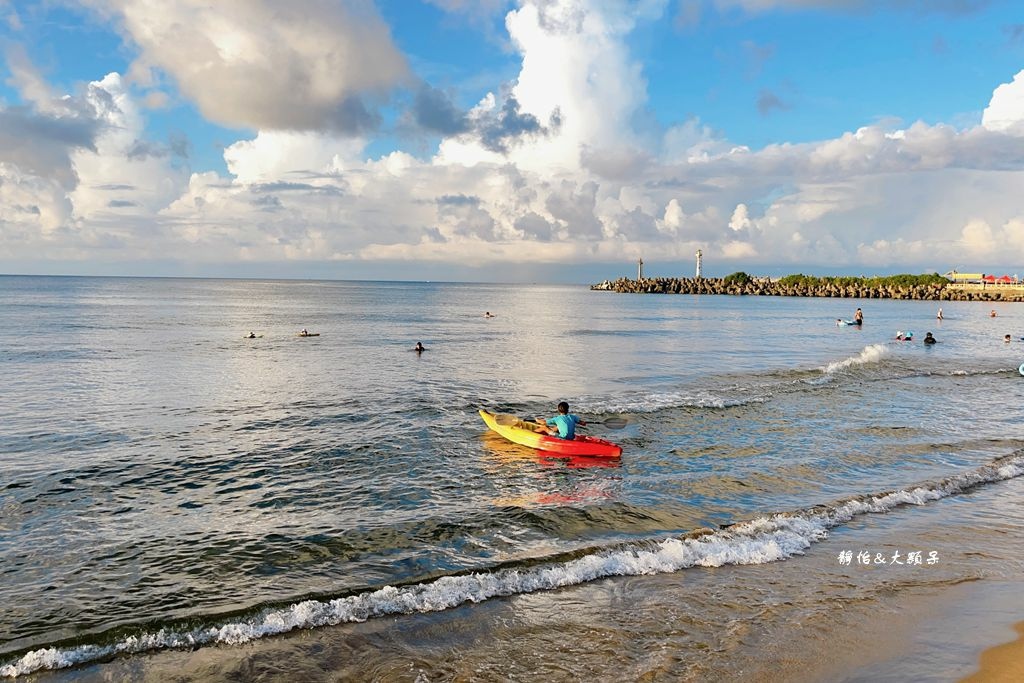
pixel 640 270
pixel 700 262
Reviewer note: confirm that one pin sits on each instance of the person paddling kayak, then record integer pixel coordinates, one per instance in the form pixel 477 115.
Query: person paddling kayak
pixel 562 425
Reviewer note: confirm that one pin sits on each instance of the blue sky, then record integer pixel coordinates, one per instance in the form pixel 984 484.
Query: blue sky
pixel 348 137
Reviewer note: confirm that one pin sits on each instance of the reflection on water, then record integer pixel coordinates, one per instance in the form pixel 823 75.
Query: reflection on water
pixel 160 469
pixel 540 479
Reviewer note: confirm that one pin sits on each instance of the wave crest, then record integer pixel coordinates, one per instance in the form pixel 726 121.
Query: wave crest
pixel 871 354
pixel 757 541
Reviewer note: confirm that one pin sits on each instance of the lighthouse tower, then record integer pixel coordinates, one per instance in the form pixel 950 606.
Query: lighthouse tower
pixel 640 270
pixel 700 262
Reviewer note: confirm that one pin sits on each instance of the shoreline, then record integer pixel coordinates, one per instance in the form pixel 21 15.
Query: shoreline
pixel 1004 662
pixel 939 622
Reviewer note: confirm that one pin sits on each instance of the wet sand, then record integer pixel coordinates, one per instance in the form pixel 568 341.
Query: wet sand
pixel 1002 663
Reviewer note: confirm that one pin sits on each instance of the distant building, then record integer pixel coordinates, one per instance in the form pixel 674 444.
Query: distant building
pixel 965 278
pixel 981 279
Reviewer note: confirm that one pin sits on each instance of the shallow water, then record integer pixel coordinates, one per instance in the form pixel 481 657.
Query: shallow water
pixel 166 482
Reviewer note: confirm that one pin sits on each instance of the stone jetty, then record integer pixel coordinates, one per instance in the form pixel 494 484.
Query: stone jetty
pixel 819 287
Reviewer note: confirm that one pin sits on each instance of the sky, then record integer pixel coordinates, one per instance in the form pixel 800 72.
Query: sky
pixel 510 140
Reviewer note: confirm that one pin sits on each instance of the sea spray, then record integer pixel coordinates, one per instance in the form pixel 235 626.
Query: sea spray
pixel 871 354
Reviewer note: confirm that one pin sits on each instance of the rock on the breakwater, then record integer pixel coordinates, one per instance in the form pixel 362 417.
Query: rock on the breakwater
pixel 766 287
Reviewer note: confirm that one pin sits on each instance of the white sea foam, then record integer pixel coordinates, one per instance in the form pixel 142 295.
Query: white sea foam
pixel 653 402
pixel 870 354
pixel 756 541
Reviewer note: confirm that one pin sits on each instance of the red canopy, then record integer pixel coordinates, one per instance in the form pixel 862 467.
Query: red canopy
pixel 989 278
pixel 1006 278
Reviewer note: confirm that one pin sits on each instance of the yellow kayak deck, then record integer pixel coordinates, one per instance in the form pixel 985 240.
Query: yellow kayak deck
pixel 529 434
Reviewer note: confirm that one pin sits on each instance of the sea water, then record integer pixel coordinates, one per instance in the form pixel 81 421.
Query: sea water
pixel 168 484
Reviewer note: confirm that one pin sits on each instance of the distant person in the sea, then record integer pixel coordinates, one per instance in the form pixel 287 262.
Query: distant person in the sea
pixel 488 314
pixel 562 425
pixel 1006 339
pixel 938 316
pixel 304 332
pixel 252 335
pixel 904 336
pixel 858 317
pixel 992 314
pixel 420 348
pixel 929 339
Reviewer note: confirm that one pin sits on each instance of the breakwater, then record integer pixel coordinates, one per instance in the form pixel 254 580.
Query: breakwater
pixel 768 287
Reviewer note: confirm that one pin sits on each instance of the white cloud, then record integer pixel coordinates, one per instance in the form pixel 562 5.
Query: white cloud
pixel 987 243
pixel 277 155
pixel 1005 112
pixel 29 83
pixel 576 67
pixel 300 65
pixel 37 143
pixel 80 172
pixel 31 206
pixel 740 219
pixel 738 251
pixel 673 217
pixel 124 175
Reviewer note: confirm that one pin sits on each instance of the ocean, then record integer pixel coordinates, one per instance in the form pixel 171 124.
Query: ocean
pixel 180 501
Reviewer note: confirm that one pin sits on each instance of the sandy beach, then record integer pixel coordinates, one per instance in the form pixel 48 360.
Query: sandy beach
pixel 1002 663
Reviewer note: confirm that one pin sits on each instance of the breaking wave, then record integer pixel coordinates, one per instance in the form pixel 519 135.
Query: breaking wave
pixel 756 541
pixel 871 354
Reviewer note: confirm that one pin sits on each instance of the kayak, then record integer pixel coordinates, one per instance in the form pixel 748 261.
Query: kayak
pixel 308 334
pixel 529 434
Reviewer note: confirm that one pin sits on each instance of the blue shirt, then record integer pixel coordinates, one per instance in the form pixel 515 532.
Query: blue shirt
pixel 566 425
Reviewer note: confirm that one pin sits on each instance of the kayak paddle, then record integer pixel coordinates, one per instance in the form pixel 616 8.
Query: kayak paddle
pixel 510 420
pixel 611 422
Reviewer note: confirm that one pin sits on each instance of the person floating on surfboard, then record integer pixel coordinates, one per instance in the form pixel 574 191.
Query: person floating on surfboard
pixel 562 425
